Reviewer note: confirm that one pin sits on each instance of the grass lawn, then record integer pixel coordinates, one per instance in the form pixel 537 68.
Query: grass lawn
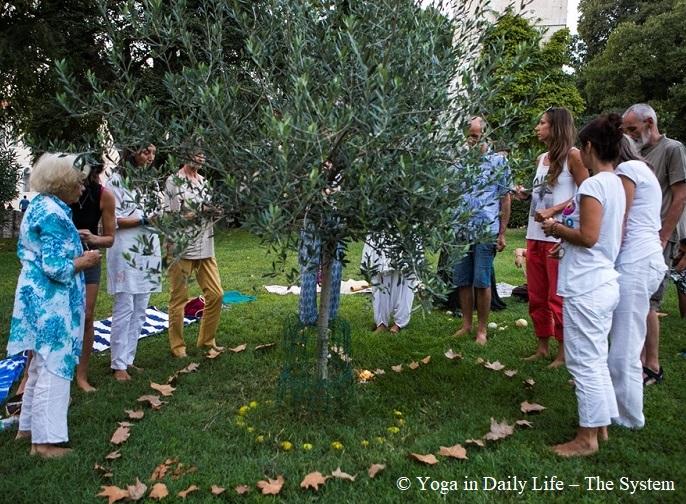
pixel 442 403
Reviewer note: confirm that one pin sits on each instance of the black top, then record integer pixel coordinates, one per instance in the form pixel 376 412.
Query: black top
pixel 86 213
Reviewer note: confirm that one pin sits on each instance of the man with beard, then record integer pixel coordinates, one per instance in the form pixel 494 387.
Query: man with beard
pixel 667 158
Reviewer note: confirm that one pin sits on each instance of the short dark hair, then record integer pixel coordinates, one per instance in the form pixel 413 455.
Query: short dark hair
pixel 605 135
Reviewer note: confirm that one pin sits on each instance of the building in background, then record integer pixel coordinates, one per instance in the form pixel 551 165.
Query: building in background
pixel 552 15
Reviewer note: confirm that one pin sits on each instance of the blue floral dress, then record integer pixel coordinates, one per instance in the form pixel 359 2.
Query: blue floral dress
pixel 49 305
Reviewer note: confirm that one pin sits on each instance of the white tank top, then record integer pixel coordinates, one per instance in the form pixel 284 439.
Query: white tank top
pixel 544 196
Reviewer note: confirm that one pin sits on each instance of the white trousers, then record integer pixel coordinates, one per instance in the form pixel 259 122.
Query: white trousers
pixel 128 317
pixel 392 295
pixel 637 282
pixel 44 404
pixel 587 320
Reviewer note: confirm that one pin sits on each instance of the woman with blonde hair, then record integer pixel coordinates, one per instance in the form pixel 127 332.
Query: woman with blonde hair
pixel 49 305
pixel 559 172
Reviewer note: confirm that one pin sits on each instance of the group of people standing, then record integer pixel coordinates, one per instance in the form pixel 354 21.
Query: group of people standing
pixel 600 239
pixel 600 236
pixel 63 230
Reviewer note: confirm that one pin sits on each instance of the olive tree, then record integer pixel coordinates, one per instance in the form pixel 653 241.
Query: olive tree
pixel 349 115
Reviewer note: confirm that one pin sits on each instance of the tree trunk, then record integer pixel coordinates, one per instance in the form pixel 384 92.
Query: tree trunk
pixel 323 320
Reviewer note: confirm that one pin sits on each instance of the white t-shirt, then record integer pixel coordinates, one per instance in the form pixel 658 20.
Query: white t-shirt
pixel 641 233
pixel 583 269
pixel 544 196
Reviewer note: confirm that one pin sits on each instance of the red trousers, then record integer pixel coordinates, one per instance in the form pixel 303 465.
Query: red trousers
pixel 545 306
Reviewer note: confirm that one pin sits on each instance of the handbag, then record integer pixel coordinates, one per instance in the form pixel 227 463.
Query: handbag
pixel 194 307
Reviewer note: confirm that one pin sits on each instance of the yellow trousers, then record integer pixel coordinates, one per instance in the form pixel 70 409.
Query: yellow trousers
pixel 207 275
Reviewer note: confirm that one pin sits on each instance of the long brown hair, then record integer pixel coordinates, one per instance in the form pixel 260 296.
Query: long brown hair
pixel 562 137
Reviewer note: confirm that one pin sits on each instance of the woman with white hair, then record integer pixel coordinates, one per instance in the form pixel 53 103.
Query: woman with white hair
pixel 48 316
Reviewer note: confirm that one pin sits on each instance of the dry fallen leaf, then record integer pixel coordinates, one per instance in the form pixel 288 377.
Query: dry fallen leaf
pixel 479 360
pixel 113 493
pixel 364 375
pixel 397 368
pixel 271 486
pixel 413 365
pixel 159 472
pixel 379 372
pixel 217 490
pixel 428 459
pixel 529 382
pixel 135 414
pixel 239 348
pixel 495 366
pixel 193 366
pixel 452 355
pixel 165 390
pixel 182 470
pixel 313 480
pixel 190 489
pixel 120 435
pixel 137 490
pixel 265 346
pixel 242 489
pixel 124 424
pixel 457 451
pixel 105 472
pixel 499 430
pixel 341 475
pixel 375 469
pixel 510 372
pixel 113 455
pixel 477 442
pixel 159 491
pixel 426 359
pixel 213 354
pixel 528 407
pixel 152 400
pixel 524 423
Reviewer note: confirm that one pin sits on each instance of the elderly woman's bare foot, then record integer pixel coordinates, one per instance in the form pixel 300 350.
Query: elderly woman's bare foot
pixel 380 328
pixel 49 451
pixel 121 375
pixel 23 434
pixel 481 338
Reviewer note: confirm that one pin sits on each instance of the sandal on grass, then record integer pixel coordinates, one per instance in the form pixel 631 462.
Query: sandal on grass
pixel 651 377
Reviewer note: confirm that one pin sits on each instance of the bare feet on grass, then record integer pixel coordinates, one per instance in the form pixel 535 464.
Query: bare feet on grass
pixel 121 375
pixel 22 434
pixel 83 384
pixel 395 329
pixel 481 336
pixel 380 328
pixel 584 444
pixel 602 434
pixel 559 360
pixel 49 451
pixel 541 351
pixel 463 331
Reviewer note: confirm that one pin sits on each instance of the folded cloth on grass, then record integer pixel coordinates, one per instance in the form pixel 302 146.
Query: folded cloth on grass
pixel 10 371
pixel 349 286
pixel 156 321
pixel 235 297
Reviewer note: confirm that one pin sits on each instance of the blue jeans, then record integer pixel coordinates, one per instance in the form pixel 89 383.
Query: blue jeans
pixel 475 268
pixel 309 258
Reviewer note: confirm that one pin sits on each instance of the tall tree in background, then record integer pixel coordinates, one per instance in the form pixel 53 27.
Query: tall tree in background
pixel 533 73
pixel 378 93
pixel 33 36
pixel 643 60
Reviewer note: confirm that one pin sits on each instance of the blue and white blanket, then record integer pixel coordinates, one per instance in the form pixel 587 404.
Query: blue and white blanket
pixel 156 321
